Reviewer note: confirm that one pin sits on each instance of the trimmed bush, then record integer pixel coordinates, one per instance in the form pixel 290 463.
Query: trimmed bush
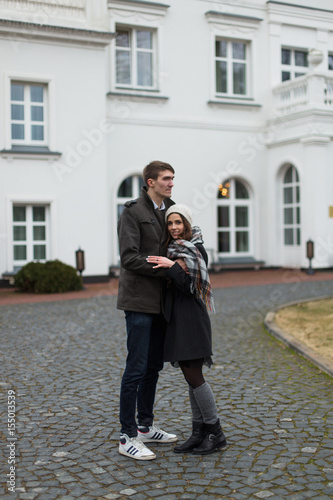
pixel 49 277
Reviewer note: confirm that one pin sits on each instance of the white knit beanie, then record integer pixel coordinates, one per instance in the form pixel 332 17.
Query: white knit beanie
pixel 182 210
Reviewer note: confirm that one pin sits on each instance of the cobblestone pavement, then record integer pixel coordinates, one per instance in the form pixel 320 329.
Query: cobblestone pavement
pixel 64 361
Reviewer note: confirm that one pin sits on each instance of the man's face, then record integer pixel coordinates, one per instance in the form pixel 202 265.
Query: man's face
pixel 163 185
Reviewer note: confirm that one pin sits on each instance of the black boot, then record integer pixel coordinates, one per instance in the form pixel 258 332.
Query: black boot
pixel 198 435
pixel 213 440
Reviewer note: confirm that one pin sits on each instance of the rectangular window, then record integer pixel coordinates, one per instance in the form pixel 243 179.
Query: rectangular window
pixel 30 234
pixel 28 113
pixel 224 241
pixel 291 217
pixel 135 58
pixel 294 63
pixel 242 241
pixel 231 67
pixel 242 218
pixel 330 62
pixel 288 236
pixel 223 216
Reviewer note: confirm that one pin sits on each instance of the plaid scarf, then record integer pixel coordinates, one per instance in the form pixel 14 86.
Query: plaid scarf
pixel 200 284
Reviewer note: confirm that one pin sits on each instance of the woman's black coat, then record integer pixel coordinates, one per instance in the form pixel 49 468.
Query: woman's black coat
pixel 188 334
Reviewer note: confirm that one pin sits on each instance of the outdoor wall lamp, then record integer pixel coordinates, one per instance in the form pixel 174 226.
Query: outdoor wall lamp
pixel 79 255
pixel 310 255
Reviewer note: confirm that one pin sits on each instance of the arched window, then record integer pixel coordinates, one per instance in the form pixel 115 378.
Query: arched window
pixel 129 189
pixel 233 219
pixel 291 207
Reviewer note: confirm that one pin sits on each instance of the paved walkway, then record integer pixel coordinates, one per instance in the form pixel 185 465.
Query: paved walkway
pixel 226 279
pixel 64 359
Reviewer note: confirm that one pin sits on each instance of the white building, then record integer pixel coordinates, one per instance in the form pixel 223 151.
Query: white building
pixel 236 95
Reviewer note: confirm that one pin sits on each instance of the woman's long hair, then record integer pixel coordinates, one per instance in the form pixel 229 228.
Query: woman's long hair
pixel 187 234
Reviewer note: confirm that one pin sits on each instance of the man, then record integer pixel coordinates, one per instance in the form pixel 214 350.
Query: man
pixel 140 295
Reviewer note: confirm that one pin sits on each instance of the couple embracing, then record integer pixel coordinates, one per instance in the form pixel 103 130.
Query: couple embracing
pixel 165 292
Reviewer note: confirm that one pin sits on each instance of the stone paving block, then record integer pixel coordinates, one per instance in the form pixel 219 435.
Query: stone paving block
pixel 68 393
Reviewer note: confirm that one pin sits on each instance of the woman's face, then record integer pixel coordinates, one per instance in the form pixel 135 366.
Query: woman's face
pixel 175 226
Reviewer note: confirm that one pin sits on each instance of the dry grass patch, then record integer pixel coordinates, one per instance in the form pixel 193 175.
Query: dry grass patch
pixel 311 323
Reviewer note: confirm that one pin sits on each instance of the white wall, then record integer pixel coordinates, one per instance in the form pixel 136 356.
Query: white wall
pixel 205 142
pixel 76 182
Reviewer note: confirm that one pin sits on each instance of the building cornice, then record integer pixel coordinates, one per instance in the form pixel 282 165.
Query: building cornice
pixel 138 4
pixel 287 4
pixel 212 14
pixel 34 31
pixel 307 140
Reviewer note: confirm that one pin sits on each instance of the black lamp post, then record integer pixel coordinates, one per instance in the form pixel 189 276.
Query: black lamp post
pixel 79 254
pixel 310 254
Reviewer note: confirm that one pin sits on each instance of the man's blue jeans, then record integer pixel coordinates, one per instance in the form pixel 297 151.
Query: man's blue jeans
pixel 145 344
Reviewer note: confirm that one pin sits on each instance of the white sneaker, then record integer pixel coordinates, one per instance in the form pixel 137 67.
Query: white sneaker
pixel 134 448
pixel 154 434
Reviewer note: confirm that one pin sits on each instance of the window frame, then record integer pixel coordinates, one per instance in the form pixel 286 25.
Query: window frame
pixel 29 241
pixel 292 68
pixel 294 205
pixel 240 28
pixel 136 190
pixel 27 122
pixel 330 55
pixel 50 128
pixel 230 60
pixel 133 51
pixel 52 232
pixel 232 202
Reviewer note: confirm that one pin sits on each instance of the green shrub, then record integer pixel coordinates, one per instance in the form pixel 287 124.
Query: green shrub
pixel 52 277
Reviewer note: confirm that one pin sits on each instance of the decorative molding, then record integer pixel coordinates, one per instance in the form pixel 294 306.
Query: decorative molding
pixel 297 118
pixel 30 152
pixel 234 24
pixel 137 96
pixel 123 16
pixel 286 4
pixel 77 4
pixel 33 31
pixel 315 140
pixel 234 102
pixel 43 9
pixel 137 8
pixel 197 125
pixel 311 140
pixel 233 31
pixel 289 13
pixel 140 3
pixel 282 142
pixel 212 14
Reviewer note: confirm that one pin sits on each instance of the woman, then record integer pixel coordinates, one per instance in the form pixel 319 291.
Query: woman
pixel 188 339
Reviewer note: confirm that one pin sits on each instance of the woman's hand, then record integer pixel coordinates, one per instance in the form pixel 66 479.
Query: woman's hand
pixel 159 261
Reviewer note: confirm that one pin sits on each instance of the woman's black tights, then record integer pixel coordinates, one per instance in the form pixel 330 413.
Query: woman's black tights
pixel 192 370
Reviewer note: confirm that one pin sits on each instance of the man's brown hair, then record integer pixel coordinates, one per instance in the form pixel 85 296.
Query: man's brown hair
pixel 153 169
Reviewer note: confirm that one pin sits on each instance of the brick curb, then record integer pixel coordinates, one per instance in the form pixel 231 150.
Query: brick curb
pixel 288 339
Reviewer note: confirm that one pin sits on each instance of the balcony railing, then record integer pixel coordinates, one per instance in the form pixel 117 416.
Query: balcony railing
pixel 312 91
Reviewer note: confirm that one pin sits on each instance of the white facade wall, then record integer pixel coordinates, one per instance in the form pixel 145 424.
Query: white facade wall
pixel 107 132
pixel 73 185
